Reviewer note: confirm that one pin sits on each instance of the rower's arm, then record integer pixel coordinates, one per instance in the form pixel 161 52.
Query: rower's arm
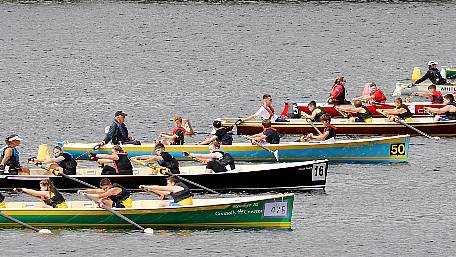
pixel 36 193
pixel 155 158
pixel 52 160
pixel 7 155
pixel 425 94
pixel 141 157
pixel 208 140
pixel 438 110
pixel 205 157
pixel 322 137
pixel 112 191
pixel 112 157
pixel 91 191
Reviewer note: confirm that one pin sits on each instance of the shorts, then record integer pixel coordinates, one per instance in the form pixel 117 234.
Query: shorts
pixel 216 167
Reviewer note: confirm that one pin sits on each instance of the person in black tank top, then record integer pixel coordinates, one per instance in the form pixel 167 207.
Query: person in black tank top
pixel 62 162
pixel 448 112
pixel 181 194
pixel 362 113
pixel 111 194
pixel 217 160
pixel 401 111
pixel 121 165
pixel 316 112
pixel 49 195
pixel 161 162
pixel 9 157
pixel 222 135
pixel 328 133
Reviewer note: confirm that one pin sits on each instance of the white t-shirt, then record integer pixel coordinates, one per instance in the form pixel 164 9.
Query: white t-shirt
pixel 264 114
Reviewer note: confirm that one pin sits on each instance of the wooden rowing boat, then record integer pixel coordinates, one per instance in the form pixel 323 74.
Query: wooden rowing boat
pixel 379 126
pixel 368 150
pixel 269 211
pixel 302 176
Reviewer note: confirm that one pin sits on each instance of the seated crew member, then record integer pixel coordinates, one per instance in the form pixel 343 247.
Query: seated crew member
pixel 435 96
pixel 62 162
pixel 328 134
pixel 266 112
pixel 177 135
pixel 217 160
pixel 111 194
pixel 9 157
pixel 181 194
pixel 161 160
pixel 362 113
pixel 448 111
pixel 222 135
pixel 119 159
pixel 118 132
pixel 316 112
pixel 269 134
pixel 375 95
pixel 433 74
pixel 2 201
pixel 401 111
pixel 49 195
pixel 338 92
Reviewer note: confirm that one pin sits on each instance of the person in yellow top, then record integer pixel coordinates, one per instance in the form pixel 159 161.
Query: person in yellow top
pixel 180 193
pixel 362 113
pixel 49 195
pixel 111 194
pixel 401 111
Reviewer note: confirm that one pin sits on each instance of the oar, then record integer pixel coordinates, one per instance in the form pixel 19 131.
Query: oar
pixel 417 130
pixel 103 206
pixel 275 153
pixel 309 120
pixel 58 173
pixel 42 231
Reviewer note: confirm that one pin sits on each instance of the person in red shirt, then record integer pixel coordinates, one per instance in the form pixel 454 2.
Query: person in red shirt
pixel 338 92
pixel 177 134
pixel 376 95
pixel 435 96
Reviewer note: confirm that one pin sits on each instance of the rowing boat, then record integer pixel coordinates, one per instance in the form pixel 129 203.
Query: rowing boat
pixel 406 89
pixel 268 211
pixel 368 150
pixel 296 176
pixel 379 126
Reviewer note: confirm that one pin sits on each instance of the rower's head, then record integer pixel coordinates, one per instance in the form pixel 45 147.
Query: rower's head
pixel 373 87
pixel 214 146
pixel 57 150
pixel 117 149
pixel 266 123
pixel 312 105
pixel 177 121
pixel 159 148
pixel 432 88
pixel 357 103
pixel 172 180
pixel 325 118
pixel 398 102
pixel 105 184
pixel 267 99
pixel 217 124
pixel 13 140
pixel 432 64
pixel 119 116
pixel 46 185
pixel 339 81
pixel 448 98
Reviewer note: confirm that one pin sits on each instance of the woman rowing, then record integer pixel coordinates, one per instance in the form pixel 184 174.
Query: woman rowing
pixel 221 135
pixel 362 113
pixel 62 162
pixel 49 195
pixel 181 194
pixel 118 158
pixel 401 111
pixel 9 157
pixel 217 160
pixel 111 194
pixel 448 111
pixel 338 92
pixel 162 160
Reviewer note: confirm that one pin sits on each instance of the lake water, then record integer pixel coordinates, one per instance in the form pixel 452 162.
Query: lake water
pixel 66 67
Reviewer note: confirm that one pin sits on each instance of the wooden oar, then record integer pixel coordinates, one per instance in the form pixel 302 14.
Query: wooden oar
pixel 58 173
pixel 42 231
pixel 402 122
pixel 275 153
pixel 309 120
pixel 103 206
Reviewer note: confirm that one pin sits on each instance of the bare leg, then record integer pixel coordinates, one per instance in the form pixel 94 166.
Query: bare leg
pixel 107 202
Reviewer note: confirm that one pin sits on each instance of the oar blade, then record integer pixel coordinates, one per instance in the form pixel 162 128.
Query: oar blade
pixel 276 154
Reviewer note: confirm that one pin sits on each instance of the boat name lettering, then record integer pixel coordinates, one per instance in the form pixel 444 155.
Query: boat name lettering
pixel 245 205
pixel 238 212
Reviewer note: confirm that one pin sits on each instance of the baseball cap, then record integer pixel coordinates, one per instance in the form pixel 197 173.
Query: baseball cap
pixel 15 138
pixel 120 113
pixel 431 63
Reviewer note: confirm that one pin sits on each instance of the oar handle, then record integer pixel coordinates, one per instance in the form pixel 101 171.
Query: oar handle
pixel 193 183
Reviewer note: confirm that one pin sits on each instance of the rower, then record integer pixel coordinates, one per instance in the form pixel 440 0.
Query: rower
pixel 119 160
pixel 266 112
pixel 118 132
pixel 222 135
pixel 217 160
pixel 433 74
pixel 269 134
pixel 9 157
pixel 177 135
pixel 448 111
pixel 316 112
pixel 435 96
pixel 111 194
pixel 49 195
pixel 401 111
pixel 338 92
pixel 362 113
pixel 161 161
pixel 181 194
pixel 375 94
pixel 2 201
pixel 328 134
pixel 62 162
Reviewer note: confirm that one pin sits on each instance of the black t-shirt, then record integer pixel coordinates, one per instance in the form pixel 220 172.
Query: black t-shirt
pixel 169 162
pixel 223 136
pixel 272 136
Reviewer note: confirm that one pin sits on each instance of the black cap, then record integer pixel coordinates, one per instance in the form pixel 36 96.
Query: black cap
pixel 120 113
pixel 217 124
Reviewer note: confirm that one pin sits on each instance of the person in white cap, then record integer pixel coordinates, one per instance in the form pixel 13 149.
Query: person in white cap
pixel 9 155
pixel 433 74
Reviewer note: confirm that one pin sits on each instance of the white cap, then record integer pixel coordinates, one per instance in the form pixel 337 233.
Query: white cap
pixel 15 138
pixel 431 63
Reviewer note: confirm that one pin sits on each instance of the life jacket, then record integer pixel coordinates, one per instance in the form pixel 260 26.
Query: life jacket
pixel 224 137
pixel 181 195
pixel 364 116
pixel 123 164
pixel 55 198
pixel 13 161
pixel 435 77
pixel 226 160
pixel 68 164
pixel 340 99
pixel 405 115
pixel 382 96
pixel 123 195
pixel 180 132
pixel 451 115
pixel 436 97
pixel 332 131
pixel 169 162
pixel 272 136
pixel 270 110
pixel 318 115
pixel 120 134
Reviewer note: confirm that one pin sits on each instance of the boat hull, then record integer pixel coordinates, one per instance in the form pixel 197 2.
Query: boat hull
pixel 273 211
pixel 267 177
pixel 372 150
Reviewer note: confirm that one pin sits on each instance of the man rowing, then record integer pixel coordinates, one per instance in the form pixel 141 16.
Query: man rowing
pixel 161 161
pixel 266 111
pixel 62 162
pixel 49 195
pixel 9 157
pixel 217 160
pixel 316 112
pixel 181 194
pixel 328 134
pixel 111 194
pixel 221 135
pixel 375 95
pixel 118 132
pixel 268 135
pixel 448 112
pixel 400 111
pixel 435 96
pixel 433 74
pixel 362 113
pixel 121 165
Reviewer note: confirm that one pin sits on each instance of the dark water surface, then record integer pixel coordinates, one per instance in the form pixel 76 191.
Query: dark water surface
pixel 65 68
